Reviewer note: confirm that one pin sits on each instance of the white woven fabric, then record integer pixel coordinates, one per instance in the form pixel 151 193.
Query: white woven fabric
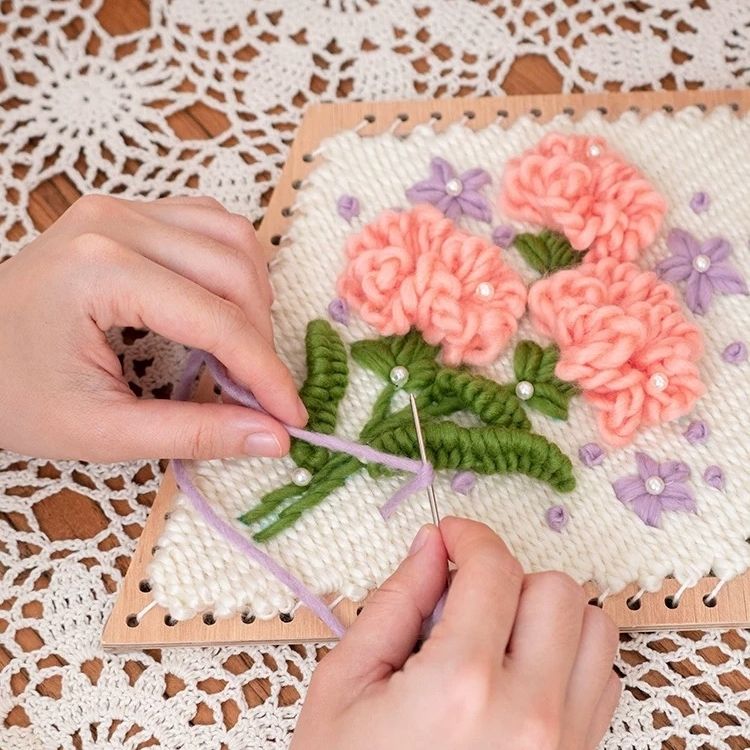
pixel 343 546
pixel 94 110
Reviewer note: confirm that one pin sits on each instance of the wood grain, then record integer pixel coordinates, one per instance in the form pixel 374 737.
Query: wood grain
pixel 654 611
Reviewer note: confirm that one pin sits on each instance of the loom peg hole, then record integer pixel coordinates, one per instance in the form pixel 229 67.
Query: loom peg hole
pixel 296 184
pixel 169 621
pixel 709 601
pixel 594 602
pixel 247 618
pixel 132 621
pixel 286 617
pixel 209 619
pixel 144 586
pixel 276 240
pixel 307 158
pixel 670 602
pixel 633 603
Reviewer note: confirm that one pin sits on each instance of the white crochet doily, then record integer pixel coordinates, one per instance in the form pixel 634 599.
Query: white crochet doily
pixel 93 110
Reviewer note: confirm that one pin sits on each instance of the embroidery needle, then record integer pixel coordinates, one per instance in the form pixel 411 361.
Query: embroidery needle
pixel 423 456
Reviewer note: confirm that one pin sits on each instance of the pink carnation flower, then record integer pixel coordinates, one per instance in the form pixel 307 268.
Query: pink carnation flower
pixel 624 339
pixel 382 257
pixel 416 269
pixel 577 185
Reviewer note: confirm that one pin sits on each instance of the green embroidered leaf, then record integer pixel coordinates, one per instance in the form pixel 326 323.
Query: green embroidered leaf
pixel 547 251
pixel 536 365
pixel 485 450
pixel 323 389
pixel 409 351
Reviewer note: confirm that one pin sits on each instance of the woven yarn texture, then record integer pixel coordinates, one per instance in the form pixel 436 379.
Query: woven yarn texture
pixel 85 109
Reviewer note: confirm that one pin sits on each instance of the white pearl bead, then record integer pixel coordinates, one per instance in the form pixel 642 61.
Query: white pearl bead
pixel 655 485
pixel 485 290
pixel 399 376
pixel 524 390
pixel 301 477
pixel 454 186
pixel 595 150
pixel 659 381
pixel 701 263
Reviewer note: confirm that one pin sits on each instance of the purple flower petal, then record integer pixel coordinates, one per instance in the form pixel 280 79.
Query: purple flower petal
pixel 463 482
pixel 441 170
pixel 591 454
pixel 425 192
pixel 673 471
pixel 714 477
pixel 647 467
pixel 347 207
pixel 648 508
pixel 717 248
pixel 629 489
pixel 338 310
pixel 700 202
pixel 697 432
pixel 503 235
pixel 674 268
pixel 698 293
pixel 677 497
pixel 477 209
pixel 725 279
pixel 450 207
pixel 683 243
pixel 474 179
pixel 557 517
pixel 735 353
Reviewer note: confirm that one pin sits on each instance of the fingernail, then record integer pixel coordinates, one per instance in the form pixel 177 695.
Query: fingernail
pixel 263 444
pixel 420 539
pixel 304 416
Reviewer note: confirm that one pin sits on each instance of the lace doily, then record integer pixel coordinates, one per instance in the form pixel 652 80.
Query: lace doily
pixel 84 108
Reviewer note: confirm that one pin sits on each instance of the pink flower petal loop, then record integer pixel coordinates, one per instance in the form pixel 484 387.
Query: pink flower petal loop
pixel 577 185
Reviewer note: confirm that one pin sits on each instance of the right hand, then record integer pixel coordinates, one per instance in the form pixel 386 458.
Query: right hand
pixel 516 662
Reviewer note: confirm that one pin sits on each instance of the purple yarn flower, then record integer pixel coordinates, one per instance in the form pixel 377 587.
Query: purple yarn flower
pixel 735 353
pixel 700 202
pixel 347 207
pixel 557 517
pixel 704 268
pixel 591 454
pixel 697 432
pixel 463 482
pixel 338 310
pixel 656 488
pixel 453 194
pixel 714 477
pixel 503 235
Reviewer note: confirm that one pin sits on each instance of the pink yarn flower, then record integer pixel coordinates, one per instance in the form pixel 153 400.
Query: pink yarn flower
pixel 382 257
pixel 577 185
pixel 466 300
pixel 624 339
pixel 416 269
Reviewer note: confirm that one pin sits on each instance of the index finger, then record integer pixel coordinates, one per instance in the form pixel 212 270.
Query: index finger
pixel 482 601
pixel 184 311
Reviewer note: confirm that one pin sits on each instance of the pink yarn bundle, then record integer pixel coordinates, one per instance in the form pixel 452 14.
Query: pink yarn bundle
pixel 624 339
pixel 416 269
pixel 577 185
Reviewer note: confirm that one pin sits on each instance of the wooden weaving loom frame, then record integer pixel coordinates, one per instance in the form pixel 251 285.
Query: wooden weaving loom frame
pixel 124 630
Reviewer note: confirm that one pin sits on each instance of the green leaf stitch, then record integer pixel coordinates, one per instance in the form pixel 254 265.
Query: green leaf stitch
pixel 536 365
pixel 547 251
pixel 323 389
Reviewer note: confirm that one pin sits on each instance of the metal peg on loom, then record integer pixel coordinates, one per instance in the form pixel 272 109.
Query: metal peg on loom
pixel 437 613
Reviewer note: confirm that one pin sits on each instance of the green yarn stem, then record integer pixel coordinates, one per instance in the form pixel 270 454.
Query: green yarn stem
pixel 322 391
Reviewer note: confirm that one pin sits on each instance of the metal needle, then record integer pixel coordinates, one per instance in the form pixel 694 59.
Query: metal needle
pixel 423 456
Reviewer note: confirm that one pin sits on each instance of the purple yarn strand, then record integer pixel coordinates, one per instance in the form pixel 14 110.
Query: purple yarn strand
pixel 314 603
pixel 423 476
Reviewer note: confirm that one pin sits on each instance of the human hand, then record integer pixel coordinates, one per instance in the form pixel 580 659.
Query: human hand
pixel 185 268
pixel 515 661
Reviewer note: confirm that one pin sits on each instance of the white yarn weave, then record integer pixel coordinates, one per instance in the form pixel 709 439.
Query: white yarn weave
pixel 251 63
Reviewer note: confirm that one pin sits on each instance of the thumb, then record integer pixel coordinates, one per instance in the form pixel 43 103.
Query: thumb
pixel 384 635
pixel 174 429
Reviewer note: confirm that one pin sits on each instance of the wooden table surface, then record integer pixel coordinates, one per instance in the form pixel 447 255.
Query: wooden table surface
pixel 529 75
